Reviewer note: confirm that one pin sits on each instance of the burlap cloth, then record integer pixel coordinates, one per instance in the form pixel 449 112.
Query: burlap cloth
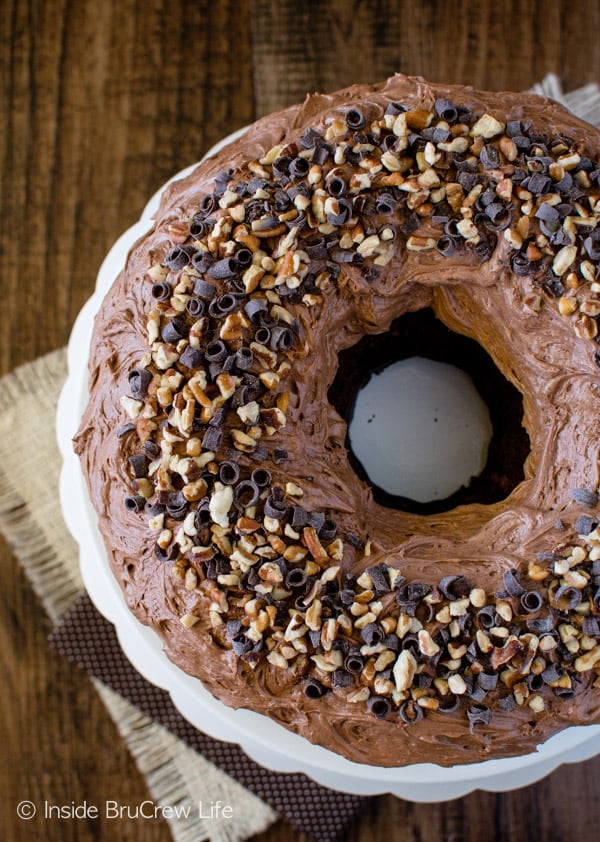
pixel 31 520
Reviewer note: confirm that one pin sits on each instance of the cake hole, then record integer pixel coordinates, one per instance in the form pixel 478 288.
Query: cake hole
pixel 420 429
pixel 479 418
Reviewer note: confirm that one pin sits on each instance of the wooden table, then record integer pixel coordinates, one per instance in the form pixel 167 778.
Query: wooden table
pixel 101 102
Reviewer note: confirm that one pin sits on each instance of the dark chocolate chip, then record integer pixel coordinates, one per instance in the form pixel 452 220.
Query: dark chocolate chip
pixel 222 305
pixel 498 214
pixel 177 505
pixel 244 358
pixel 275 508
pixel 232 629
pixel 342 215
pixel 354 662
pixel 299 168
pixel 507 703
pixel 199 228
pixel 552 673
pixel 354 540
pixel 487 680
pixel 195 307
pixel 590 626
pixel 281 339
pixel 316 520
pixel 592 247
pixel 539 184
pixel 207 206
pixel 241 645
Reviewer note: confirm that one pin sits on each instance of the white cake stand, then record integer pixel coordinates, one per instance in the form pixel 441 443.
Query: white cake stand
pixel 264 740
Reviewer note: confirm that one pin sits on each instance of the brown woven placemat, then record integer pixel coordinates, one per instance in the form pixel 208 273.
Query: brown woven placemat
pixel 90 641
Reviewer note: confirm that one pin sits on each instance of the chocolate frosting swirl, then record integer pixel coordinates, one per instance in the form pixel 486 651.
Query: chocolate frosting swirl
pixel 535 347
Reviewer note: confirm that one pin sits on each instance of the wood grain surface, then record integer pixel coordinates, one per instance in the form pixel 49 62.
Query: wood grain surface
pixel 102 101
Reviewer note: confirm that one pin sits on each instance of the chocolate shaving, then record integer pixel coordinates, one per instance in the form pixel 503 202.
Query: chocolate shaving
pixel 212 439
pixel 223 269
pixel 410 712
pixel 449 704
pixel 191 358
pixel 531 601
pixel 246 494
pixel 355 119
pixel 229 473
pixel 313 689
pixel 204 289
pixel 139 465
pixel 295 578
pixel 139 380
pixel 261 477
pixel 179 257
pixel 161 291
pixel 174 330
pixel 215 351
pixel 446 110
pixel 585 497
pixel 379 706
pixel 354 662
pixel 135 503
pixel 340 679
pixel 512 584
pixel 453 587
pixel 567 598
pixel 478 715
pixel 372 634
pixel 541 624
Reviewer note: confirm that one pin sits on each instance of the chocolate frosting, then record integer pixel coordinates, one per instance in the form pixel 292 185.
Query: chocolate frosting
pixel 535 348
